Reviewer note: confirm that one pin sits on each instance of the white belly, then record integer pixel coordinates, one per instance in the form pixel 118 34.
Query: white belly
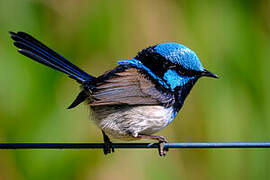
pixel 125 122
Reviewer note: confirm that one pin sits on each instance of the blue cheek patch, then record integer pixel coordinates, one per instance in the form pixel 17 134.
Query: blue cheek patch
pixel 174 79
pixel 180 54
pixel 138 64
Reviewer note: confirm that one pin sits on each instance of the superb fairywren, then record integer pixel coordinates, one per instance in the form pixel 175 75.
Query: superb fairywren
pixel 136 99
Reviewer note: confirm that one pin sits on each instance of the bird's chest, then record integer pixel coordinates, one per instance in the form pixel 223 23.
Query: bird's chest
pixel 126 121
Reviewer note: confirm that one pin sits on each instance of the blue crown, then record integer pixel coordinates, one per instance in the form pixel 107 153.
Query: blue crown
pixel 180 54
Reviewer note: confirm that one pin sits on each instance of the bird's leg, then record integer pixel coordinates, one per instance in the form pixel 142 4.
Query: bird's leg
pixel 108 148
pixel 161 140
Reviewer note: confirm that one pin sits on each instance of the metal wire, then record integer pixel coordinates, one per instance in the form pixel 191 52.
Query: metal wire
pixel 133 145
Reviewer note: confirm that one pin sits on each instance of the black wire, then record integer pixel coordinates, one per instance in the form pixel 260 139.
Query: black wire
pixel 133 145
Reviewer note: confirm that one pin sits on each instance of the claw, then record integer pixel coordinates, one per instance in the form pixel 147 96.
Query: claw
pixel 161 141
pixel 108 148
pixel 162 149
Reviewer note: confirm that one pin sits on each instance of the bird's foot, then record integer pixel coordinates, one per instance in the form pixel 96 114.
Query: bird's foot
pixel 108 148
pixel 161 141
pixel 162 149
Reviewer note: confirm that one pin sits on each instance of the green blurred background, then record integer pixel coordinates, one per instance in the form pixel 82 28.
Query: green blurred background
pixel 232 39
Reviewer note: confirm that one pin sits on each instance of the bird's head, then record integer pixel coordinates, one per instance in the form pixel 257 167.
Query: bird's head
pixel 174 63
pixel 175 66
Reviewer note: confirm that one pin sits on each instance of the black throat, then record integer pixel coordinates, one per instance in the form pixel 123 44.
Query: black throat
pixel 181 93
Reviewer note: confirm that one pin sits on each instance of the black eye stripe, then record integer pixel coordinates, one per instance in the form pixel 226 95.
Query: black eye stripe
pixel 159 65
pixel 185 72
pixel 178 68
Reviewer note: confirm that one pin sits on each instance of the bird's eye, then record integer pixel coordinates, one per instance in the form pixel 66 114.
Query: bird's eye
pixel 182 71
pixel 172 66
pixel 178 69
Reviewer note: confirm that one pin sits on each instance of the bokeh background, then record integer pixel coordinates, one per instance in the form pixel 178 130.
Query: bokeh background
pixel 232 39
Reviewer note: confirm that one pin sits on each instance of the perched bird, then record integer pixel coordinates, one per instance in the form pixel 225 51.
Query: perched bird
pixel 136 99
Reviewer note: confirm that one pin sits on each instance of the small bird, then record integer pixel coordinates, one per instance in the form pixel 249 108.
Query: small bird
pixel 137 98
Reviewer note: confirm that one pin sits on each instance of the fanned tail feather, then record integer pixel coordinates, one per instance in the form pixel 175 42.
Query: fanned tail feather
pixel 34 49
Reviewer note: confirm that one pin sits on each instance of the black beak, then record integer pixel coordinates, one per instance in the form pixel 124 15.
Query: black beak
pixel 209 74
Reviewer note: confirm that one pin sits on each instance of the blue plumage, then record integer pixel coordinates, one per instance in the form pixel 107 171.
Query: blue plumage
pixel 138 64
pixel 38 51
pixel 180 54
pixel 139 97
pixel 175 80
pixel 172 116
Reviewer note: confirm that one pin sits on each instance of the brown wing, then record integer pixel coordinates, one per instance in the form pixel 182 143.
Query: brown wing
pixel 127 87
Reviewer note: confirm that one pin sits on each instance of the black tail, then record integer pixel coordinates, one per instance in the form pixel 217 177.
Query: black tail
pixel 37 51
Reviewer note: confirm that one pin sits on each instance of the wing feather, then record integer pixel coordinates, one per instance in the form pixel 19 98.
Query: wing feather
pixel 128 87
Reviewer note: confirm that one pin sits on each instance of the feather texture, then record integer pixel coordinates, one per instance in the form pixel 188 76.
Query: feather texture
pixel 34 49
pixel 128 87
